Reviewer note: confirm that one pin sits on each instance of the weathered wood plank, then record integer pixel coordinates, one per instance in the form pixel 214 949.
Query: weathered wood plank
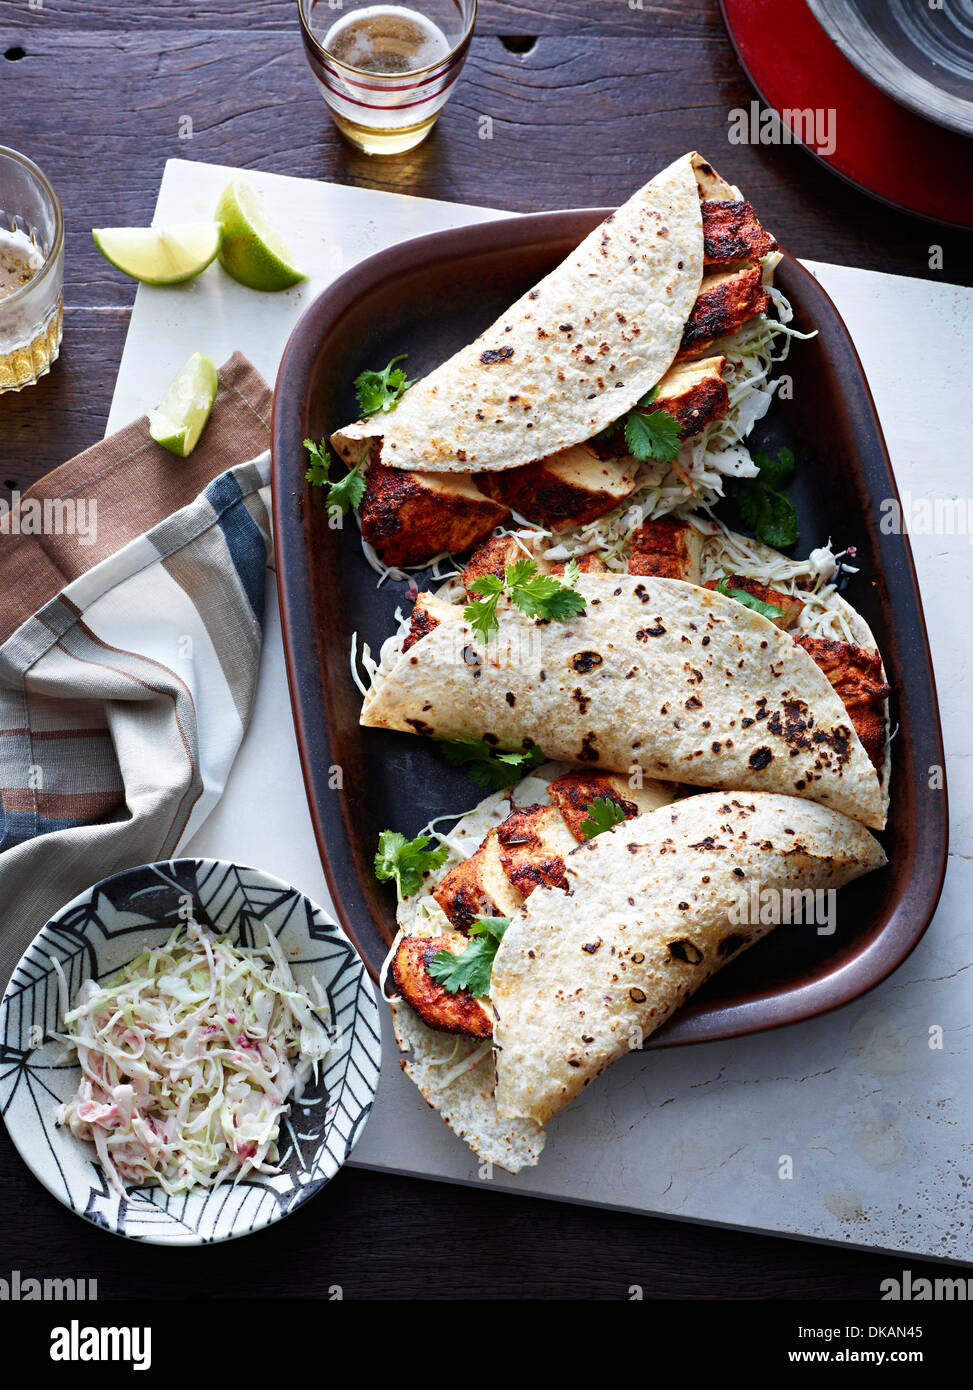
pixel 44 425
pixel 641 18
pixel 574 121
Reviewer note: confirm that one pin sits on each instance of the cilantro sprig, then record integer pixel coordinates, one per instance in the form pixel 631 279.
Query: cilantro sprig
pixel 748 600
pixel 406 861
pixel 378 392
pixel 603 814
pixel 765 509
pixel 491 767
pixel 347 492
pixel 473 967
pixel 538 595
pixel 652 434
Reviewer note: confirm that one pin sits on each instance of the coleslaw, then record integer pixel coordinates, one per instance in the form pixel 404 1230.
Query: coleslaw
pixel 189 1056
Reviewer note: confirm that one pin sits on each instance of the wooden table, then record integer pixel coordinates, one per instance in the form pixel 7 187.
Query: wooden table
pixel 587 98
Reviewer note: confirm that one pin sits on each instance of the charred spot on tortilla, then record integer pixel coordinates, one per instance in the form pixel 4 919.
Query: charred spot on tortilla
pixel 588 753
pixel 496 355
pixel 760 758
pixel 583 662
pixel 685 950
pixel 591 946
pixel 421 727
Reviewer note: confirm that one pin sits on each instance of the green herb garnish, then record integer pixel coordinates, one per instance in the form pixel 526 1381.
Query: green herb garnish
pixel 764 508
pixel 472 969
pixel 652 434
pixel 603 814
pixel 757 604
pixel 380 391
pixel 489 766
pixel 406 861
pixel 347 492
pixel 537 595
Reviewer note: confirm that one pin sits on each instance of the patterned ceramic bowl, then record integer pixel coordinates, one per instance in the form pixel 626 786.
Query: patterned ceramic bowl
pixel 104 929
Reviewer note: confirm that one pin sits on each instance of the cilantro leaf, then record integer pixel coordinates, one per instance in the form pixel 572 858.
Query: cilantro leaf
pixel 603 814
pixel 481 614
pixel 471 969
pixel 319 465
pixel 541 595
pixel 537 595
pixel 348 492
pixel 764 508
pixel 380 391
pixel 775 471
pixel 779 527
pixel 489 766
pixel 748 600
pixel 406 861
pixel 652 435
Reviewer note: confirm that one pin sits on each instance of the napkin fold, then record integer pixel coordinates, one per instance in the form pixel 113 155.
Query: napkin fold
pixel 131 617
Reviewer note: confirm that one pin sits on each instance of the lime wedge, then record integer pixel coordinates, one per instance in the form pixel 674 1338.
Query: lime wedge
pixel 160 255
pixel 182 414
pixel 252 250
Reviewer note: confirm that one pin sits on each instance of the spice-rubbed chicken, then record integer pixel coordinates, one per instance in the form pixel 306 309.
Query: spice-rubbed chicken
pixel 575 792
pixel 410 517
pixel 569 488
pixel 450 1013
pixel 666 549
pixel 527 849
pixel 726 300
pixel 856 676
pixel 479 887
pixel 731 232
pixel 790 607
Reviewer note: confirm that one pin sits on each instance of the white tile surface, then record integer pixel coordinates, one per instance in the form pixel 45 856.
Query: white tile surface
pixel 878 1125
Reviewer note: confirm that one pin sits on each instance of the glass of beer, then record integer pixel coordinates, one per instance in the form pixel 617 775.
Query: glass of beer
pixel 31 272
pixel 386 71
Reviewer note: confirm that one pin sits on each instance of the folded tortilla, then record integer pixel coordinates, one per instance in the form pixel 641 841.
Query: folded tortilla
pixel 582 978
pixel 682 682
pixel 550 373
pixel 652 911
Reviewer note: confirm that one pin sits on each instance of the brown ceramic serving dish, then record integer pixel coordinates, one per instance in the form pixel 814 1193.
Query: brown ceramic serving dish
pixel 430 296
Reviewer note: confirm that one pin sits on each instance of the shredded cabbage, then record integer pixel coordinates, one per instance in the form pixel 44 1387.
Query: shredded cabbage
pixel 189 1056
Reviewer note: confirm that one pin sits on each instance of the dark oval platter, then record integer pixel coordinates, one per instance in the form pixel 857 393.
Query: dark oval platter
pixel 429 297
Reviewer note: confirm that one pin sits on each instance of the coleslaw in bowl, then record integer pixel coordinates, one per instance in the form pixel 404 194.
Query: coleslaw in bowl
pixel 189 1051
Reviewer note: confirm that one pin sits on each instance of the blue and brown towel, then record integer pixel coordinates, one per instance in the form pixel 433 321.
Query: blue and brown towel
pixel 129 649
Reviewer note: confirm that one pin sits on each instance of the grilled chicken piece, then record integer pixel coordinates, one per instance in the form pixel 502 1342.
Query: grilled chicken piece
pixel 726 300
pixel 731 232
pixel 478 887
pixel 574 792
pixel 533 843
pixel 587 564
pixel 790 607
pixel 568 488
pixel 450 1013
pixel 666 549
pixel 694 394
pixel 409 517
pixel 856 675
pixel 494 555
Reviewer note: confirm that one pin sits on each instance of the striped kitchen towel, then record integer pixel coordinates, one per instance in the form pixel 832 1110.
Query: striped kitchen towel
pixel 131 615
